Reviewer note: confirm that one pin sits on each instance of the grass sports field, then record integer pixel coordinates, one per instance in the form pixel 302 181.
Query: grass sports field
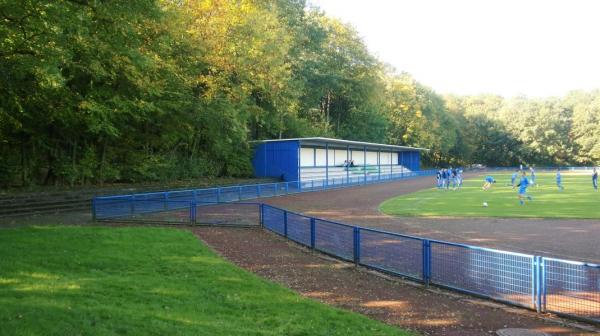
pixel 57 280
pixel 577 200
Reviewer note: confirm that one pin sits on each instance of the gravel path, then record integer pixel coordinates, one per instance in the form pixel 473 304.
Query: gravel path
pixel 429 312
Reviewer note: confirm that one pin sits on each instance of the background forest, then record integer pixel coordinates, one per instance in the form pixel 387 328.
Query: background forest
pixel 95 91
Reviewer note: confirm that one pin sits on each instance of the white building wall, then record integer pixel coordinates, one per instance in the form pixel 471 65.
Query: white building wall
pixel 310 157
pixel 386 158
pixel 321 158
pixel 358 156
pixel 371 158
pixel 307 157
pixel 340 157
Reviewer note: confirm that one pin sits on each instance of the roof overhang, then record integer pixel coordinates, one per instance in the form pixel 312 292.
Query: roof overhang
pixel 319 141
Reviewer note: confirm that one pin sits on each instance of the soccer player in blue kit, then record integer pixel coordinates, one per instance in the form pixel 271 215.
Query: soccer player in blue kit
pixel 513 178
pixel 532 172
pixel 559 180
pixel 523 184
pixel 595 179
pixel 489 180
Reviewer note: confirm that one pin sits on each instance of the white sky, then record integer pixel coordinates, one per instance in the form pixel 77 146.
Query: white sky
pixel 506 47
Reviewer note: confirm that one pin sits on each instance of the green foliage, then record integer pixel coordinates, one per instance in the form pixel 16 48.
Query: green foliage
pixel 148 281
pixel 141 90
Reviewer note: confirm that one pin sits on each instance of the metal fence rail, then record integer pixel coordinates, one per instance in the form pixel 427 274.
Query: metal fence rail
pixel 570 287
pixel 501 275
pixel 544 284
pixel 392 253
pixel 161 211
pixel 120 206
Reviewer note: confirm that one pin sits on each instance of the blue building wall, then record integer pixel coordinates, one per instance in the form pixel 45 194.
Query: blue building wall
pixel 410 160
pixel 281 159
pixel 277 159
pixel 417 164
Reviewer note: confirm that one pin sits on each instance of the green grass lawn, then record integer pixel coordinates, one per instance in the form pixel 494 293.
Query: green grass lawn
pixel 59 280
pixel 578 200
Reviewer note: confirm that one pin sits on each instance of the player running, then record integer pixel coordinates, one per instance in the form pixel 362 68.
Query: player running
pixel 532 173
pixel 513 178
pixel 489 180
pixel 595 179
pixel 523 184
pixel 559 180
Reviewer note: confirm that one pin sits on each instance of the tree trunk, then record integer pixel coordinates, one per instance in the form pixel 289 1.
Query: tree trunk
pixel 281 126
pixel 23 161
pixel 73 164
pixel 102 163
pixel 328 102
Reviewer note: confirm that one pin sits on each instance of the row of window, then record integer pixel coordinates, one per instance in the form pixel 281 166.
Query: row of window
pixel 311 157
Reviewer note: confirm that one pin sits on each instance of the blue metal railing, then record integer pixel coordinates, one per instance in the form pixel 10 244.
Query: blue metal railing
pixel 123 206
pixel 545 284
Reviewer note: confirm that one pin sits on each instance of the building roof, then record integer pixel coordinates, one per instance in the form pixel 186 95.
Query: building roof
pixel 322 141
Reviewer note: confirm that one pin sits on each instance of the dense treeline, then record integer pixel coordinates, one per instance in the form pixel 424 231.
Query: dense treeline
pixel 98 91
pixel 552 131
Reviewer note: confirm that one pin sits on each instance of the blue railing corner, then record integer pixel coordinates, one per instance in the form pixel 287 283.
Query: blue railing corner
pixel 426 262
pixel 193 209
pixel 313 233
pixel 94 208
pixel 285 223
pixel 261 215
pixel 356 245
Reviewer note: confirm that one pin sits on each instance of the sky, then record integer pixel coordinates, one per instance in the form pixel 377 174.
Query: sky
pixel 527 47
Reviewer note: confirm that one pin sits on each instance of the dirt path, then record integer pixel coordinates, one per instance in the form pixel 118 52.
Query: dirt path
pixel 430 312
pixel 562 238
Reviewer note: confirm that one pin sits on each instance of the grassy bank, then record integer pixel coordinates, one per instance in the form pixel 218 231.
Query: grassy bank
pixel 62 280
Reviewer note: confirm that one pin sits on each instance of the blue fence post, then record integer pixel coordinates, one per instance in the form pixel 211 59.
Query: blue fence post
pixel 365 163
pixel 261 214
pixel 356 245
pixel 218 195
pixel 285 226
pixel 543 284
pixel 538 291
pixel 132 205
pixel 193 212
pixel 535 283
pixel 258 190
pixel 540 284
pixel 287 187
pixel 94 208
pixel 326 165
pixel 426 262
pixel 313 233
